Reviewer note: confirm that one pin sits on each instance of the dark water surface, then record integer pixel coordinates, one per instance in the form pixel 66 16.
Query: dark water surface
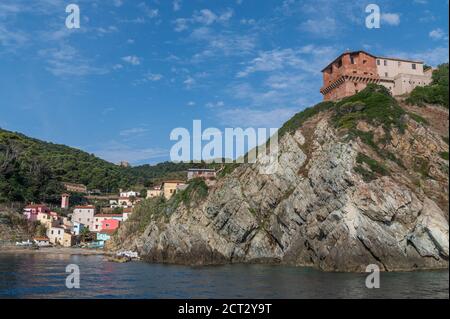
pixel 44 276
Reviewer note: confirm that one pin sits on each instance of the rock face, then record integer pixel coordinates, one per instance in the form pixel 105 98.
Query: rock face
pixel 316 210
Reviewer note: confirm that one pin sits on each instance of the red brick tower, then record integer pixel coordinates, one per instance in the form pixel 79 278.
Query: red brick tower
pixel 348 74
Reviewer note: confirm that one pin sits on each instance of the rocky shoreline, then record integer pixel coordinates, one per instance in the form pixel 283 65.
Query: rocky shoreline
pixel 336 204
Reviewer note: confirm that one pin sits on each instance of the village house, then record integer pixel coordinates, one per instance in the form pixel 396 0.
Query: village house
pixel 170 187
pixel 205 173
pixel 84 215
pixel 100 218
pixel 127 202
pixel 31 211
pixel 154 192
pixel 55 235
pixel 76 188
pixel 128 194
pixel 44 218
pixel 68 239
pixel 350 73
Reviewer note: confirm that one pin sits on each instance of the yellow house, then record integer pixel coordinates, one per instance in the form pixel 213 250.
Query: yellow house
pixel 154 192
pixel 68 240
pixel 170 187
pixel 45 219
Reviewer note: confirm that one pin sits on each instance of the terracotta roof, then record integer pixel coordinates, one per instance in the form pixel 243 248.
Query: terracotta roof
pixel 41 238
pixel 128 210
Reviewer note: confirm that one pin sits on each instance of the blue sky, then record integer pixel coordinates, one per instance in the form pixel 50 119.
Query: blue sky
pixel 135 70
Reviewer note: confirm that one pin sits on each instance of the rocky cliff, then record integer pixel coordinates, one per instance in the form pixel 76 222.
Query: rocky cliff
pixel 362 181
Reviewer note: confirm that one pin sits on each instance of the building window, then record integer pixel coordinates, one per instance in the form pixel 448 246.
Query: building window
pixel 364 61
pixel 378 62
pixel 352 61
pixel 385 62
pixel 399 63
pixel 413 66
pixel 386 74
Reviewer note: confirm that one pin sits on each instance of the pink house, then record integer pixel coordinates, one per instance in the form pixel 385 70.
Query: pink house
pixel 110 224
pixel 31 211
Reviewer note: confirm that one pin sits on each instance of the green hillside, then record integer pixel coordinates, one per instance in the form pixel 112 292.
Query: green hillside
pixel 32 170
pixel 435 93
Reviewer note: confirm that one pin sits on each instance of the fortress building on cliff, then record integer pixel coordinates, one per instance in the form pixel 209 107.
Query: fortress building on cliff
pixel 352 71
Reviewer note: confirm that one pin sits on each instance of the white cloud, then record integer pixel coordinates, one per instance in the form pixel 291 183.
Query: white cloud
pixel 132 59
pixel 153 77
pixel 150 12
pixel 117 3
pixel 110 29
pixel 218 104
pixel 208 17
pixel 133 131
pixel 309 58
pixel 204 17
pixel 438 34
pixel 12 40
pixel 191 103
pixel 67 61
pixel 189 82
pixel 432 56
pixel 222 43
pixel 181 24
pixel 115 152
pixel 390 18
pixel 246 117
pixel 323 27
pixel 176 5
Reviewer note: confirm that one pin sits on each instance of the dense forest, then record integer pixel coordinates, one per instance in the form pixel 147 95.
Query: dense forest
pixel 32 170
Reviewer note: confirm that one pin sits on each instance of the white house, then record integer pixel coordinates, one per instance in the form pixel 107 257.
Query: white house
pixel 129 194
pixel 56 235
pixel 84 215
